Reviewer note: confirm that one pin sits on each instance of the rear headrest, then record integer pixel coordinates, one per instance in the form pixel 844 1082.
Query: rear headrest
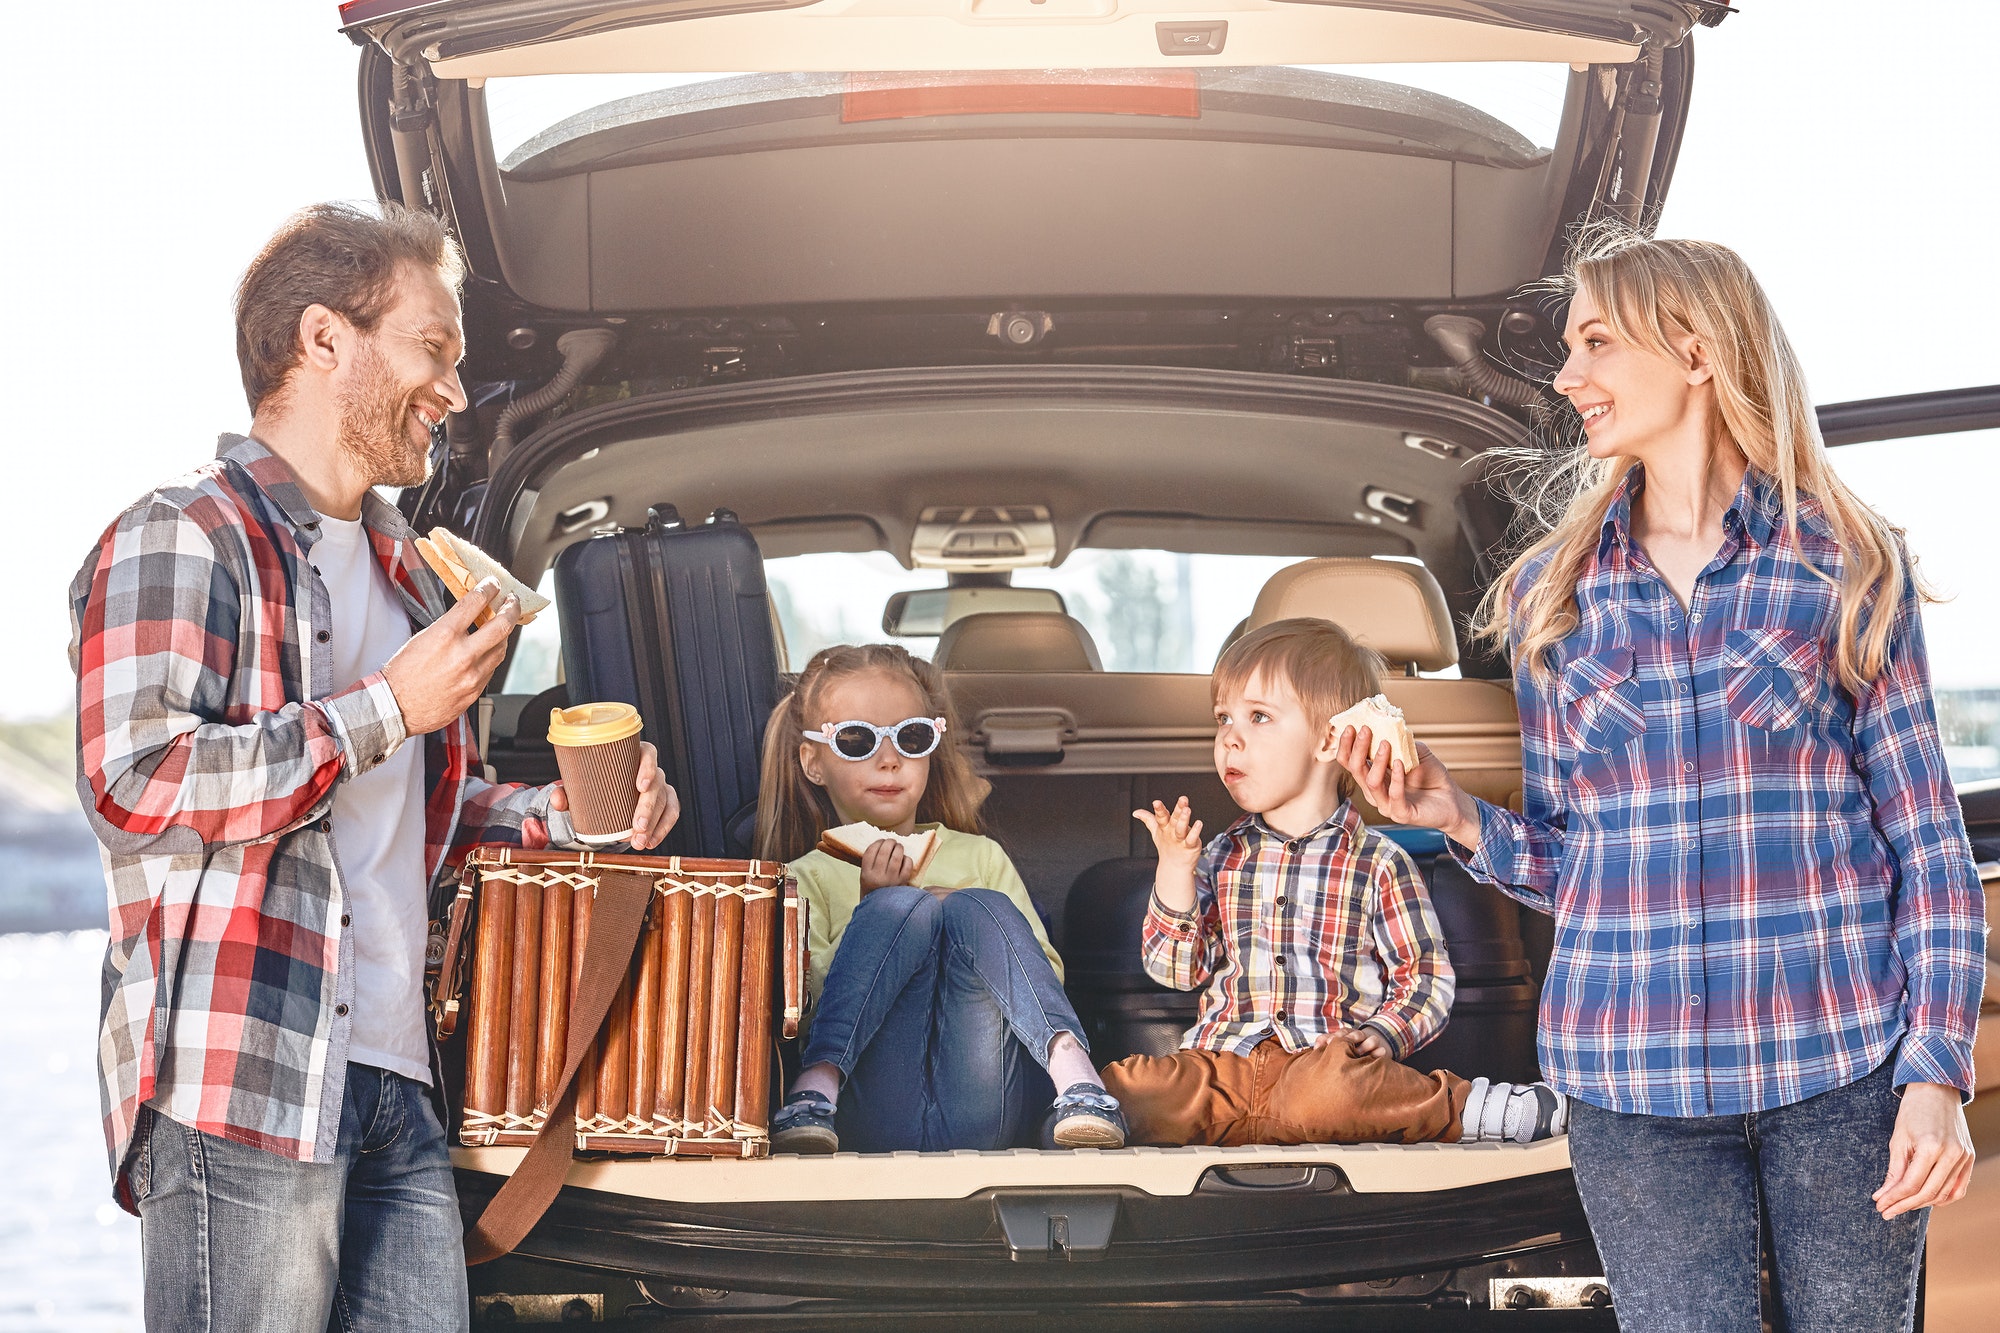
pixel 1395 608
pixel 1016 641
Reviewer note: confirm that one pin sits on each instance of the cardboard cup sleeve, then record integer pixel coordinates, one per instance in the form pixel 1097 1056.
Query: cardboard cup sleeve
pixel 602 782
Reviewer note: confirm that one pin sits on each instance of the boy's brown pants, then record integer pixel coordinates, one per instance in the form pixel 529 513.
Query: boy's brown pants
pixel 1324 1095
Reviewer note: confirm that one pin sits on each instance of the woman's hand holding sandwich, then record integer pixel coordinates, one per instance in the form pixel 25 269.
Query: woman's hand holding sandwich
pixel 1427 796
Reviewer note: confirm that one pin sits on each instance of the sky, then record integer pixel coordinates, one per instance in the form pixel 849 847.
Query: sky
pixel 1850 158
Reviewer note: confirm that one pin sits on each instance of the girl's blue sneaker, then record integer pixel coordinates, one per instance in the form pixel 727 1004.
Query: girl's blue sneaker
pixel 804 1124
pixel 1086 1116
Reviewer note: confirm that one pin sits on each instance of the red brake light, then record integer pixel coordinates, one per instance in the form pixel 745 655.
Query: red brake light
pixel 1175 93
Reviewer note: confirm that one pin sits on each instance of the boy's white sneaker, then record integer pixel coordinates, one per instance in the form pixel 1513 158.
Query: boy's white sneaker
pixel 1512 1113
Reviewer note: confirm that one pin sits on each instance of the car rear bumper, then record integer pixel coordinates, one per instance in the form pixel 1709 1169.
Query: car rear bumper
pixel 1134 1224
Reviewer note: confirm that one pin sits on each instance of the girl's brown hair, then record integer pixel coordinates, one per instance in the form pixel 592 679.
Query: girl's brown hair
pixel 792 811
pixel 1649 291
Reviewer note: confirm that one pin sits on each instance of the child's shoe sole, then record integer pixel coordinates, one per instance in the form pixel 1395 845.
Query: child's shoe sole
pixel 806 1140
pixel 1087 1131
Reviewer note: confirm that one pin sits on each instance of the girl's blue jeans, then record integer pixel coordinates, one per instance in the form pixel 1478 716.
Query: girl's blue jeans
pixel 1675 1206
pixel 939 1013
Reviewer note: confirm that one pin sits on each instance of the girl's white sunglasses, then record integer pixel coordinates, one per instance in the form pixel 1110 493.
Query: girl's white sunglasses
pixel 913 737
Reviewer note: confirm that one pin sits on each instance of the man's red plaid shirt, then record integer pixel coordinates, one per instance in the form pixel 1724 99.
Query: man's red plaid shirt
pixel 210 742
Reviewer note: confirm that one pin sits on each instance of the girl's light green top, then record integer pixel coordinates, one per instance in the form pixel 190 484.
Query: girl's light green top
pixel 831 888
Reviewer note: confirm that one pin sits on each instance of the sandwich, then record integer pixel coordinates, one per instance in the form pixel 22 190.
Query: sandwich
pixel 1385 722
pixel 463 567
pixel 849 841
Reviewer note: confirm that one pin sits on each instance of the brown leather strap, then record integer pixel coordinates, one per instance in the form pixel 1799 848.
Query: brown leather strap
pixel 616 920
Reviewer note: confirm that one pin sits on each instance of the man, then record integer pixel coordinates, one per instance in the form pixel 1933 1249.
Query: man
pixel 271 692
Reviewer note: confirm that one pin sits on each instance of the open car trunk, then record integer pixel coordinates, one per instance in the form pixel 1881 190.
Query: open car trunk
pixel 802 462
pixel 1170 272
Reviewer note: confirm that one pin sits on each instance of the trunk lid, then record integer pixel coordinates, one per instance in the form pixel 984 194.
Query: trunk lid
pixel 647 157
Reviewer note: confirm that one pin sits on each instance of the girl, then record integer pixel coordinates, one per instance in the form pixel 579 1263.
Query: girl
pixel 936 1007
pixel 1769 929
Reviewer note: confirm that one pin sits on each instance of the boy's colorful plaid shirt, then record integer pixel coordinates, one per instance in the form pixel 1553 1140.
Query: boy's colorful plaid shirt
pixel 1300 937
pixel 210 740
pixel 1761 882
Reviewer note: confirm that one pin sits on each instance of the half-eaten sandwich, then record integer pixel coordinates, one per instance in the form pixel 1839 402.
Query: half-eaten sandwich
pixel 849 841
pixel 464 566
pixel 1385 722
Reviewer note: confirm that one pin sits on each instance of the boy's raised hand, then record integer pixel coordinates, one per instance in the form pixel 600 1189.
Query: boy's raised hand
pixel 1176 832
pixel 1177 837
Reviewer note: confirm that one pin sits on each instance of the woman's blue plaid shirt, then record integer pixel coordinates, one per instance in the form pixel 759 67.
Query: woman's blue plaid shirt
pixel 1761 881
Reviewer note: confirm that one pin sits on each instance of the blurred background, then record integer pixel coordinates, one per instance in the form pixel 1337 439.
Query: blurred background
pixel 1847 149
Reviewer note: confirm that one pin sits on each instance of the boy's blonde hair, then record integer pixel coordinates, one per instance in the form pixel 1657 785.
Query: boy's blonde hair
pixel 1317 660
pixel 792 812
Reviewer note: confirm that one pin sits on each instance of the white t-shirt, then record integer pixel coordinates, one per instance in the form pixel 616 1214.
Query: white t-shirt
pixel 378 820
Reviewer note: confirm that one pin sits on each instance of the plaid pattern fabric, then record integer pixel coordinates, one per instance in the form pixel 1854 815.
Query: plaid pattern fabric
pixel 1761 882
pixel 210 740
pixel 1299 937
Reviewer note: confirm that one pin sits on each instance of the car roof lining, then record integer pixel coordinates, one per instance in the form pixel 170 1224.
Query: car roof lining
pixel 1114 476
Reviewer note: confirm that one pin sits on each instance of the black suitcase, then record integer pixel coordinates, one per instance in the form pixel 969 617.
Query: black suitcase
pixel 675 620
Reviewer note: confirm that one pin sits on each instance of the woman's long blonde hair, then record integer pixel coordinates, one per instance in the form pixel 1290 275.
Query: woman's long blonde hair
pixel 792 811
pixel 1648 292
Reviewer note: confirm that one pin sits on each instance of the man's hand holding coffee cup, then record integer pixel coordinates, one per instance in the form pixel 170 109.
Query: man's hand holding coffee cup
pixel 443 669
pixel 659 807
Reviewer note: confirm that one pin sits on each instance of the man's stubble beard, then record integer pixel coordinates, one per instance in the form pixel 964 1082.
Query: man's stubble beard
pixel 374 426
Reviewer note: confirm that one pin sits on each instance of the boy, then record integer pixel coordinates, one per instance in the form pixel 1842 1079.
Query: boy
pixel 1312 933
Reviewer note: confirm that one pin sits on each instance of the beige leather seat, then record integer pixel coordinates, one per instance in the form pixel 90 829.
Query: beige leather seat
pixel 1398 610
pixel 1016 641
pixel 1395 608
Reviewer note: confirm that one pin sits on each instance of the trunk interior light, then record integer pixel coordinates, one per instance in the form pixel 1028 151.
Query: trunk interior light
pixel 1170 93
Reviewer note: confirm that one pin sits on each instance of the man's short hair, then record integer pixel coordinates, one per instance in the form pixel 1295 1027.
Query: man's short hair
pixel 340 256
pixel 1317 660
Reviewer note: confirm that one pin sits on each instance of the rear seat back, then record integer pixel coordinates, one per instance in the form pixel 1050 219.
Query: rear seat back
pixel 1017 641
pixel 1393 607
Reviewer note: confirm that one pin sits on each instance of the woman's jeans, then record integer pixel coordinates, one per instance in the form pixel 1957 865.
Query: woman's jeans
pixel 1674 1205
pixel 236 1238
pixel 938 1012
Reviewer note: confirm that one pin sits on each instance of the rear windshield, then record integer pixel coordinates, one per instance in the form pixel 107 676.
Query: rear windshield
pixel 1524 102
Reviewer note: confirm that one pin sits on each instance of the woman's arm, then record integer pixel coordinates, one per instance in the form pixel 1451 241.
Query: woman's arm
pixel 1940 912
pixel 1940 921
pixel 1520 854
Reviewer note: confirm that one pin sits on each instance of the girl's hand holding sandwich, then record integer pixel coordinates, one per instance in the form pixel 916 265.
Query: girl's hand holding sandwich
pixel 884 866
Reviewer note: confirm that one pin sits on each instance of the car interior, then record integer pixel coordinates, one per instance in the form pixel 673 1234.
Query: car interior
pixel 973 495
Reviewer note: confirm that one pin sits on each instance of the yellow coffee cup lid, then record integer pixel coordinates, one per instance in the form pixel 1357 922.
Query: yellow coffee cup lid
pixel 592 724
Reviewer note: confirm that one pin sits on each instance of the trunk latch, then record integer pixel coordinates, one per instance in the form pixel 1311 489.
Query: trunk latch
pixel 1056 1228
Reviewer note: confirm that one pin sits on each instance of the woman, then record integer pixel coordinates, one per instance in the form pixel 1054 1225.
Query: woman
pixel 1769 930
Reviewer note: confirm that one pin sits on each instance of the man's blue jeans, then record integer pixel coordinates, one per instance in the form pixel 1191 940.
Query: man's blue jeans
pixel 1674 1205
pixel 236 1238
pixel 939 1014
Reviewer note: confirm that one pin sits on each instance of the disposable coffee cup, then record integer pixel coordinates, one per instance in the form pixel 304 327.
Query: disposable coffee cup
pixel 597 750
